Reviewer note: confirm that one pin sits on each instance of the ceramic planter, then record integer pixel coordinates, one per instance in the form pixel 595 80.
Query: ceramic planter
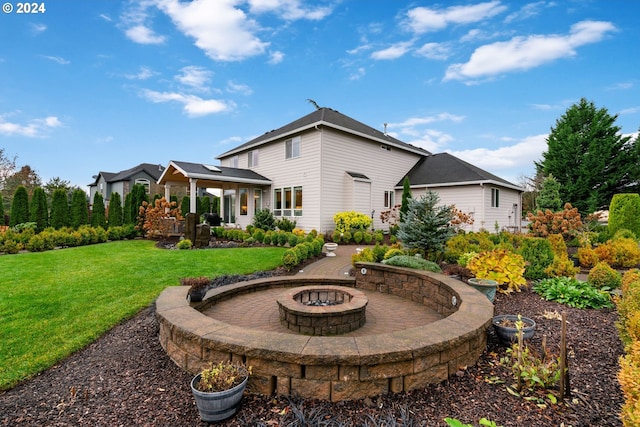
pixel 218 405
pixel 504 326
pixel 486 286
pixel 196 295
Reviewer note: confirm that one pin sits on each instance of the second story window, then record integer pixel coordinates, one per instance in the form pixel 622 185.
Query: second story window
pixel 233 162
pixel 144 182
pixel 253 158
pixel 292 147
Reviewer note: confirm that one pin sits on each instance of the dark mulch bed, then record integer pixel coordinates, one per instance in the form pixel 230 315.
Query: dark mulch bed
pixel 126 379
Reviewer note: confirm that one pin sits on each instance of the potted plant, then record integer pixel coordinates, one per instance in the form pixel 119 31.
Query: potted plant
pixel 218 390
pixel 507 327
pixel 199 287
pixel 486 286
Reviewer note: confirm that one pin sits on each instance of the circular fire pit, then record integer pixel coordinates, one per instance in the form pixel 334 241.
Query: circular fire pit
pixel 325 310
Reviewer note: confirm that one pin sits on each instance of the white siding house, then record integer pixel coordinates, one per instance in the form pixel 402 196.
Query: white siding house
pixel 326 162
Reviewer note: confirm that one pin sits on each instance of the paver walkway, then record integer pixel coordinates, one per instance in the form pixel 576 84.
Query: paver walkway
pixel 385 313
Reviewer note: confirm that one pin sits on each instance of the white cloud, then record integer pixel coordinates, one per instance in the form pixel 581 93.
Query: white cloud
pixel 193 106
pixel 222 31
pixel 289 9
pixel 33 129
pixel 418 121
pixel 276 57
pixel 424 19
pixel 517 156
pixel 144 35
pixel 238 88
pixel 358 74
pixel 143 74
pixel 392 52
pixel 57 59
pixel 527 11
pixel 439 51
pixel 523 53
pixel 38 28
pixel 195 77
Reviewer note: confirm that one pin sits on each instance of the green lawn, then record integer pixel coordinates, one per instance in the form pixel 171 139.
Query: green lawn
pixel 56 302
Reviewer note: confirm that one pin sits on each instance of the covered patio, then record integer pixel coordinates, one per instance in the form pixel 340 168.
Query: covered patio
pixel 233 183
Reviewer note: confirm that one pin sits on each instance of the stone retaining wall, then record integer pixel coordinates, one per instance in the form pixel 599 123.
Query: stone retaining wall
pixel 335 368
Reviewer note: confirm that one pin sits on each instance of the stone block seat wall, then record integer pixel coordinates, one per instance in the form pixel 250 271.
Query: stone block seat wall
pixel 335 368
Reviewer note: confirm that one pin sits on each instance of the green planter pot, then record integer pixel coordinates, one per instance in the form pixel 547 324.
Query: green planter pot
pixel 218 405
pixel 486 286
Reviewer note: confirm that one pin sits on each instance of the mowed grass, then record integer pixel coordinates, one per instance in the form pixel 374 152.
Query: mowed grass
pixel 55 303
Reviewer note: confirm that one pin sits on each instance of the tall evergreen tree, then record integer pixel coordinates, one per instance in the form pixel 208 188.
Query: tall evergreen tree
pixel 406 195
pixel 138 195
pixel 19 207
pixel 206 204
pixel 98 218
pixel 2 221
pixel 590 158
pixel 79 209
pixel 185 205
pixel 59 209
pixel 39 208
pixel 549 196
pixel 127 213
pixel 115 210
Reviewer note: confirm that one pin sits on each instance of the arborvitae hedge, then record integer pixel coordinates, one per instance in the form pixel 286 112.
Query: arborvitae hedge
pixel 127 217
pixel 39 208
pixel 19 207
pixel 139 195
pixel 184 205
pixel 59 209
pixel 98 218
pixel 115 210
pixel 624 212
pixel 79 209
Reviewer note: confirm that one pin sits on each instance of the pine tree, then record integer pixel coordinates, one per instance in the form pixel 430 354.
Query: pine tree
pixel 549 195
pixel 39 208
pixel 79 209
pixel 406 195
pixel 98 212
pixel 20 207
pixel 59 209
pixel 590 158
pixel 115 210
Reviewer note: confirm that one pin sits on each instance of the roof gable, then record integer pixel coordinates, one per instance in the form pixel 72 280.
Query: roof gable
pixel 330 118
pixel 446 169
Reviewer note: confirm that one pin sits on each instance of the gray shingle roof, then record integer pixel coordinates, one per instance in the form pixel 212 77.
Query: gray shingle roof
pixel 444 168
pixel 326 117
pixel 151 169
pixel 218 173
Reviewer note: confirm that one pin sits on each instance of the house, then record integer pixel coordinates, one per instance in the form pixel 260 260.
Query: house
pixel 122 182
pixel 327 162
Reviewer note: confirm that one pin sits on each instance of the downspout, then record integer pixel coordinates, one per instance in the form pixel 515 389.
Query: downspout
pixel 321 213
pixel 482 211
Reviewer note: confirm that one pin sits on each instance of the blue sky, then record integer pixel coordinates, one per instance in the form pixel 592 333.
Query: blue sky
pixel 104 85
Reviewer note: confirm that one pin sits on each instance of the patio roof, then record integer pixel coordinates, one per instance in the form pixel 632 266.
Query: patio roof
pixel 209 176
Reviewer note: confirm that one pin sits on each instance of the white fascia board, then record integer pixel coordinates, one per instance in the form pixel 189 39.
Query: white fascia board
pixel 462 183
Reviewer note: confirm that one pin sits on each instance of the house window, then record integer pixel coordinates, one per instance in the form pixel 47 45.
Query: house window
pixel 257 199
pixel 233 162
pixel 253 158
pixel 244 201
pixel 287 202
pixel 277 202
pixel 495 198
pixel 144 182
pixel 292 147
pixel 388 199
pixel 297 198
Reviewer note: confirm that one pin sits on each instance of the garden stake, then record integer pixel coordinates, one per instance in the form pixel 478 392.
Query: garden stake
pixel 564 364
pixel 520 343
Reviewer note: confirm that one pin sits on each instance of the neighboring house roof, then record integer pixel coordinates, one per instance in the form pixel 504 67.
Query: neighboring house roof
pixel 183 171
pixel 329 118
pixel 444 170
pixel 152 170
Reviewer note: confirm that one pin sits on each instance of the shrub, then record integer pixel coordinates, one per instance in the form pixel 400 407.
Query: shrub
pixel 351 220
pixel 282 238
pixel 628 379
pixel 346 237
pixel 561 267
pixel 368 238
pixel 393 252
pixel 336 237
pixel 19 206
pixel 11 246
pixel 413 262
pixel 365 255
pixel 184 244
pixel 264 219
pixel 624 212
pixel 603 276
pixel 292 239
pixel 572 292
pixel 538 255
pixel 290 259
pixel 506 268
pixel 587 257
pixel 258 235
pixel 463 260
pixel 623 233
pixel 467 242
pixel 358 236
pixel 379 251
pixel 285 224
pixel 303 251
pixel 566 222
pixel 628 303
pixel 623 252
